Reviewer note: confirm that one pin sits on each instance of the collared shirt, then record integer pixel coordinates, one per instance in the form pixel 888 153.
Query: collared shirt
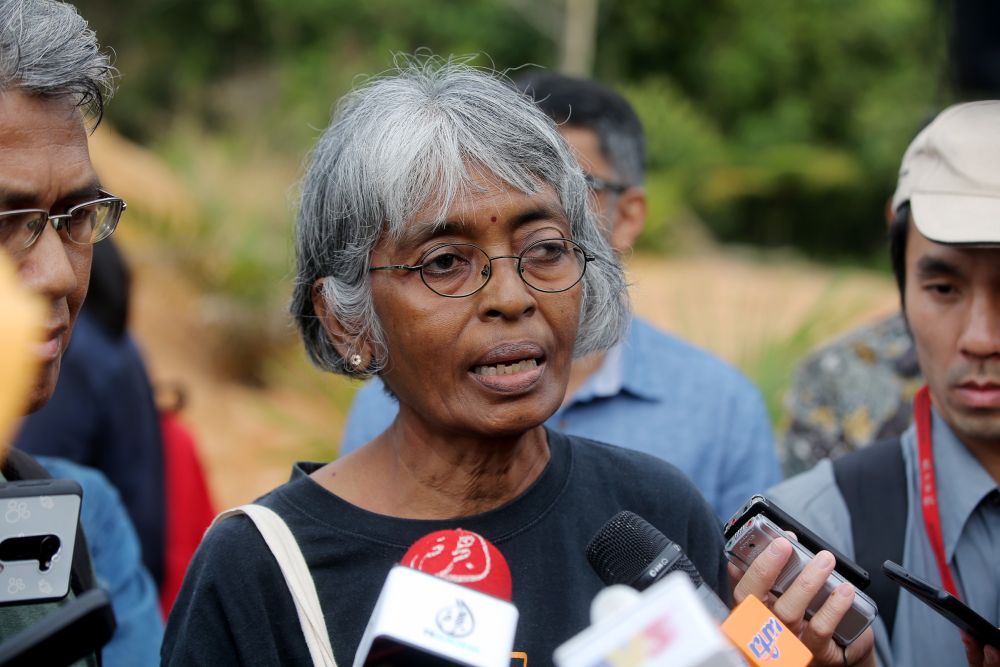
pixel 969 502
pixel 656 394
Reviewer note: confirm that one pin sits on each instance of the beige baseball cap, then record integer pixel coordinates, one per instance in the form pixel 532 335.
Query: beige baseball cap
pixel 951 176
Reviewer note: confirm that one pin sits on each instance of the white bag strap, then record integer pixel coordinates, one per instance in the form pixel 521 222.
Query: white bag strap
pixel 293 566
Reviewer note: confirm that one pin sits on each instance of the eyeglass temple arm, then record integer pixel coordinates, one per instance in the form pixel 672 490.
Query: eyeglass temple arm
pixel 396 267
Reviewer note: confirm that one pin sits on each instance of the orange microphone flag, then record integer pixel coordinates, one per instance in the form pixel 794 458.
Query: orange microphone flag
pixel 760 636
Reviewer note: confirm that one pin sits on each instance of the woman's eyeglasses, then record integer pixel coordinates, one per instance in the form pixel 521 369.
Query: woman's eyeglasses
pixel 85 223
pixel 462 269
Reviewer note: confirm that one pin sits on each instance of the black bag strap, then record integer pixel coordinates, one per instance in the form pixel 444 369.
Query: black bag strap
pixel 872 481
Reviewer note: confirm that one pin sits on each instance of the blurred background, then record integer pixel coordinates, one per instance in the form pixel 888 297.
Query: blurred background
pixel 775 129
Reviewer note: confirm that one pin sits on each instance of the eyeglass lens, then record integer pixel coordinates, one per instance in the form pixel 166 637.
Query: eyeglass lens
pixel 87 223
pixel 459 269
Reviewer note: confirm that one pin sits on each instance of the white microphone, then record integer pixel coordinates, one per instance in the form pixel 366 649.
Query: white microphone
pixel 666 626
pixel 611 600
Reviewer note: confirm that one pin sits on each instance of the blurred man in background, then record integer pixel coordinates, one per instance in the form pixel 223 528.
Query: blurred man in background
pixel 653 392
pixel 931 498
pixel 52 210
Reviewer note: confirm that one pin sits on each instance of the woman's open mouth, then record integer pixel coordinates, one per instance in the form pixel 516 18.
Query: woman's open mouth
pixel 506 369
pixel 510 368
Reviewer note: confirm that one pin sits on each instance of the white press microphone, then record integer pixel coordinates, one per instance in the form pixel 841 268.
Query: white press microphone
pixel 667 625
pixel 438 615
pixel 612 600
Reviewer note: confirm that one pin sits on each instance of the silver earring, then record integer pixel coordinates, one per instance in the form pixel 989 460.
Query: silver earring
pixel 356 361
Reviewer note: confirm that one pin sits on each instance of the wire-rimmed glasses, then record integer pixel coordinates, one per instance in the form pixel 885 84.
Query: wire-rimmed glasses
pixel 85 223
pixel 456 270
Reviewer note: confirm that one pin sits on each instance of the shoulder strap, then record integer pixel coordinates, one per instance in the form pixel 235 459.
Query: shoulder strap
pixel 300 584
pixel 873 483
pixel 20 466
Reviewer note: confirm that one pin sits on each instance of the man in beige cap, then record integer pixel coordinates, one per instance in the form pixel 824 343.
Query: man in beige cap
pixel 930 498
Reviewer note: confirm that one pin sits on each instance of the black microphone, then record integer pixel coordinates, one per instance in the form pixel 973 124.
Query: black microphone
pixel 629 550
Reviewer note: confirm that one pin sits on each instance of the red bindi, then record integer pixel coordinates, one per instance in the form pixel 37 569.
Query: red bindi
pixel 493 218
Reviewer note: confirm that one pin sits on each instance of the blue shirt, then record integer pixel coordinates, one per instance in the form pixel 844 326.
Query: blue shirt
pixel 969 502
pixel 114 551
pixel 656 394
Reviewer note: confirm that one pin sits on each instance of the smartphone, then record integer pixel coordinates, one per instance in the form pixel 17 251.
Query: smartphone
pixel 757 533
pixel 38 522
pixel 759 504
pixel 945 604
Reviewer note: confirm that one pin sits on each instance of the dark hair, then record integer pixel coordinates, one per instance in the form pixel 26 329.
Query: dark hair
pixel 594 106
pixel 898 233
pixel 110 285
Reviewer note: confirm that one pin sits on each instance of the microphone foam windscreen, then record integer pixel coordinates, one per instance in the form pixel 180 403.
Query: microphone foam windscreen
pixel 462 557
pixel 624 547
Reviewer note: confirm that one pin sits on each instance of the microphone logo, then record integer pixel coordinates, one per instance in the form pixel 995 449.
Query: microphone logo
pixel 456 620
pixel 458 556
pixel 657 567
pixel 765 642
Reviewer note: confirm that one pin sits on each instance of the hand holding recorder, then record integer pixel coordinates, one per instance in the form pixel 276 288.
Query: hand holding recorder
pixel 830 616
pixel 790 607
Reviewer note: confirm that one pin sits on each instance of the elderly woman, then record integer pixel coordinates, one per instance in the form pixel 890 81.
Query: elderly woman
pixel 444 243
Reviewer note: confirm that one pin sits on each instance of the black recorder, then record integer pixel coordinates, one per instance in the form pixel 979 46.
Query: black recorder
pixel 758 504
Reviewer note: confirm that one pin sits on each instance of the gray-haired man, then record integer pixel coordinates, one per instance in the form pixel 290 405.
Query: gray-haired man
pixel 52 209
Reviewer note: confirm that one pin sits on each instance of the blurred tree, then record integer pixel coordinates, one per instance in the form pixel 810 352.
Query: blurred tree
pixel 775 122
pixel 579 36
pixel 811 103
pixel 189 58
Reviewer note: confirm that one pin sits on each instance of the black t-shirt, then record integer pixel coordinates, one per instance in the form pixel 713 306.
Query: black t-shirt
pixel 234 607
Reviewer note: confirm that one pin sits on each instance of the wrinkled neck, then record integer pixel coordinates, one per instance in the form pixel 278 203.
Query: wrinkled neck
pixel 451 476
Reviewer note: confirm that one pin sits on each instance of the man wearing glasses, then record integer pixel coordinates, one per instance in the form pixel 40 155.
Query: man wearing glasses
pixel 53 209
pixel 654 392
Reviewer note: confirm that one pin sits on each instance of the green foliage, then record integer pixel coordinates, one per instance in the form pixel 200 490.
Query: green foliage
pixel 280 65
pixel 775 123
pixel 774 363
pixel 804 108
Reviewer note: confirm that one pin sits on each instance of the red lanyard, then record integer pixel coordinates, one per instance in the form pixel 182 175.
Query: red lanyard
pixel 928 486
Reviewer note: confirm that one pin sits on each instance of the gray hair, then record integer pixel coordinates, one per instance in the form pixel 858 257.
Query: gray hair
pixel 405 142
pixel 47 49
